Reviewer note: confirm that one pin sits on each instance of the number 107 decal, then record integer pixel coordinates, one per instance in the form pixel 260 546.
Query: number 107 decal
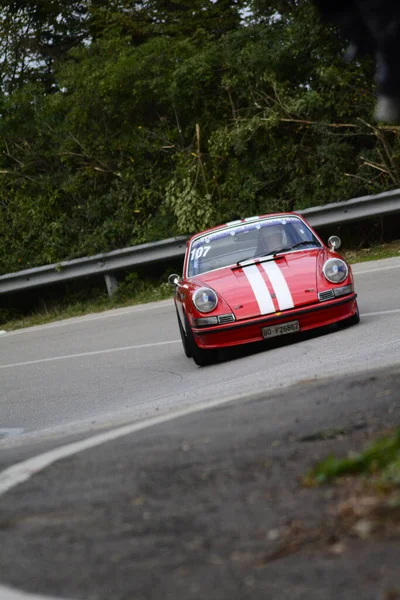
pixel 199 252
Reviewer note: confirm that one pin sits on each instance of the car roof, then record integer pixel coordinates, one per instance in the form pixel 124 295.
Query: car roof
pixel 245 220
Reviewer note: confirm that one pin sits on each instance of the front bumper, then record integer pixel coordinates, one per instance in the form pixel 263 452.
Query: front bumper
pixel 249 330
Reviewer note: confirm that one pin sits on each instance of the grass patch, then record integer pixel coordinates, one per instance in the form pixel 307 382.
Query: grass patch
pixel 382 459
pixel 366 500
pixel 374 252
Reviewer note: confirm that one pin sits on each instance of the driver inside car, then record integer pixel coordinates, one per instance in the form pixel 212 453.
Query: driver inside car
pixel 270 238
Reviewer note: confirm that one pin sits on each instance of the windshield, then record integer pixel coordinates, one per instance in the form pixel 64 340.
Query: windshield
pixel 247 240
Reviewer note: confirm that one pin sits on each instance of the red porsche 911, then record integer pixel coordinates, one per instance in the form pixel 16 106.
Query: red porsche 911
pixel 257 278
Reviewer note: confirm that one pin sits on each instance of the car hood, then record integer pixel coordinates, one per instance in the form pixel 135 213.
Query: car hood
pixel 271 286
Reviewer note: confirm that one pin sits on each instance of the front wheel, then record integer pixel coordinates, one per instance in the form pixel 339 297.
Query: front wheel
pixel 184 339
pixel 201 357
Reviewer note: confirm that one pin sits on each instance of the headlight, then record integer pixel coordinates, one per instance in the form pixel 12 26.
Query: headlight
pixel 205 300
pixel 335 270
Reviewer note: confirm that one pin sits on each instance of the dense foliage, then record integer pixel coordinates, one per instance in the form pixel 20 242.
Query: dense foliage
pixel 125 122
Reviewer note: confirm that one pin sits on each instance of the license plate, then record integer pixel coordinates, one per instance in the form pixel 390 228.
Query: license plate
pixel 283 329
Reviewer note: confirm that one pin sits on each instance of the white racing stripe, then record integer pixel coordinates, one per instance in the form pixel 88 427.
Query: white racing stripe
pixel 260 289
pixel 278 282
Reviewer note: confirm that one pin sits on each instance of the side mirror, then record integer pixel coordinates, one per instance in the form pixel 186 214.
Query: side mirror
pixel 173 279
pixel 334 242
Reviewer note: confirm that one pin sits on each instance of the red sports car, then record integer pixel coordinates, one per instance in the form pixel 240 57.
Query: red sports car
pixel 258 278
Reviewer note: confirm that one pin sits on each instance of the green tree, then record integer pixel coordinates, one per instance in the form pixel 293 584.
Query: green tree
pixel 135 121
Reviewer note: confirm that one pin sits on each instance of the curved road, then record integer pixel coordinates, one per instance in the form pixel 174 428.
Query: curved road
pixel 163 508
pixel 128 363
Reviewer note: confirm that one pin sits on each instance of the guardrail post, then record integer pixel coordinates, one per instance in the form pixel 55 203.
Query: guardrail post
pixel 111 283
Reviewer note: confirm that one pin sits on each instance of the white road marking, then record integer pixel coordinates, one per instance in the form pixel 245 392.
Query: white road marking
pixel 11 431
pixel 93 353
pixel 7 593
pixel 94 317
pixel 279 283
pixel 379 269
pixel 260 289
pixel 21 472
pixel 381 312
pixel 139 346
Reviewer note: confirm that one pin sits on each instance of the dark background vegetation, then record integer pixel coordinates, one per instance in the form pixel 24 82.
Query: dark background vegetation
pixel 126 122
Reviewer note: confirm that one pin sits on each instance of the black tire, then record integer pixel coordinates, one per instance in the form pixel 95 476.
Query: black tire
pixel 201 357
pixel 185 344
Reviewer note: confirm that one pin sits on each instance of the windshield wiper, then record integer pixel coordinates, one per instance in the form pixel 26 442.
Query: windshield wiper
pixel 298 245
pixel 278 251
pixel 257 257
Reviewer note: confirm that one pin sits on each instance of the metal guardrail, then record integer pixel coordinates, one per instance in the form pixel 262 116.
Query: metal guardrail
pixel 357 209
pixel 101 264
pixel 108 263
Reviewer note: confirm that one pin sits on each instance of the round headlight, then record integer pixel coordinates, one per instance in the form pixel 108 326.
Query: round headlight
pixel 205 300
pixel 335 270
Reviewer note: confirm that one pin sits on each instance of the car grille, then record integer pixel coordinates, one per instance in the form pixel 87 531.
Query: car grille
pixel 222 319
pixel 328 295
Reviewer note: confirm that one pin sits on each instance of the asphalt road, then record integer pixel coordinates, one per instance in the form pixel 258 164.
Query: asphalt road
pixel 209 505
pixel 128 363
pixel 70 529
